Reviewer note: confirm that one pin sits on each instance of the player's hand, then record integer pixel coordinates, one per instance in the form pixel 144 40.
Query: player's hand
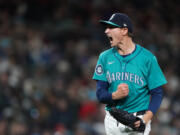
pixel 137 124
pixel 146 118
pixel 121 92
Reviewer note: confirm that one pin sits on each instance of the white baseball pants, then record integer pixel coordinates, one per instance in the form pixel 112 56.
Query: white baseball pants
pixel 112 127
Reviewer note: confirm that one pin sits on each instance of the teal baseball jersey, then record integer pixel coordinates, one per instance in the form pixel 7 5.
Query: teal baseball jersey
pixel 140 70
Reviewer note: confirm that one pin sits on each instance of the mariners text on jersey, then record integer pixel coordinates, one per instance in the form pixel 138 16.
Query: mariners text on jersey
pixel 124 76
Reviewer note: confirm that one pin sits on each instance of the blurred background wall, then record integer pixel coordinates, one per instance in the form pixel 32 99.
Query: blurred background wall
pixel 48 52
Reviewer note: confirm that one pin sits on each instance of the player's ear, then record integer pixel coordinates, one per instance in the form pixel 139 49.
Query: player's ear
pixel 125 31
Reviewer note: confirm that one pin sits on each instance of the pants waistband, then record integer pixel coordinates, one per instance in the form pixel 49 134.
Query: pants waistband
pixel 136 113
pixel 140 113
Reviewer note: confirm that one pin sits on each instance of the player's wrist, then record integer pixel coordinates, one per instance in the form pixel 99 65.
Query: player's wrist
pixel 114 96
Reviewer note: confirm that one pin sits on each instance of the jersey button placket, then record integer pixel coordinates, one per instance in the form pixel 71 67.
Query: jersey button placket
pixel 123 66
pixel 123 70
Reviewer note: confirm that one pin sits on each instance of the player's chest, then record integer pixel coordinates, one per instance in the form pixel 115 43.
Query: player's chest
pixel 124 71
pixel 114 65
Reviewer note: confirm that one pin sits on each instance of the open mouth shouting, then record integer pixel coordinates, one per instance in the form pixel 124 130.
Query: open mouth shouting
pixel 110 38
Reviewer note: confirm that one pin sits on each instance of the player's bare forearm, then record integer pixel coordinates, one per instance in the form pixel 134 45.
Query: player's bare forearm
pixel 147 116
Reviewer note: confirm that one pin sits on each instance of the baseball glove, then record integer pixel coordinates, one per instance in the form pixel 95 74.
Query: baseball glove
pixel 127 119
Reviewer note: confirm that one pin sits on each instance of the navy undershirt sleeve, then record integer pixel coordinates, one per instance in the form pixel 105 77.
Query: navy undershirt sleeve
pixel 102 93
pixel 156 99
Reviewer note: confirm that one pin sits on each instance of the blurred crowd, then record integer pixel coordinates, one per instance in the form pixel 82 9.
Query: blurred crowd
pixel 48 52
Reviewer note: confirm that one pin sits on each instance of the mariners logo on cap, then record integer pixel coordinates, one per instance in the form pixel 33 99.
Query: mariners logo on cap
pixel 125 25
pixel 99 70
pixel 112 17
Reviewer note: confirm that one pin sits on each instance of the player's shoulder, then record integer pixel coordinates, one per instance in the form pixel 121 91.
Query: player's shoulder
pixel 106 53
pixel 146 53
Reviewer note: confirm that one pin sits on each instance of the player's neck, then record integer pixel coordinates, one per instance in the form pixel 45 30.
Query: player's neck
pixel 126 47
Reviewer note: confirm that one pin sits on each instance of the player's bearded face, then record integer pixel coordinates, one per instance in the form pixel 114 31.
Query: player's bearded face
pixel 115 35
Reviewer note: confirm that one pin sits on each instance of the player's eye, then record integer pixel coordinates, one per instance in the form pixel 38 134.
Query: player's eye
pixel 110 26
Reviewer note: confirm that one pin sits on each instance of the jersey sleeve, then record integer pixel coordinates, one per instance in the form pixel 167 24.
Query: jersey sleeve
pixel 155 77
pixel 99 73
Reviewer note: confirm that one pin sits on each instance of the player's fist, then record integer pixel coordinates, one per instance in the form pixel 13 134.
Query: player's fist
pixel 121 92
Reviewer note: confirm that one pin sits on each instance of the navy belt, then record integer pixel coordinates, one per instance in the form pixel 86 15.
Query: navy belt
pixel 141 112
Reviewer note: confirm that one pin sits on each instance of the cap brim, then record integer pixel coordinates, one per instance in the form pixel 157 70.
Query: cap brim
pixel 103 22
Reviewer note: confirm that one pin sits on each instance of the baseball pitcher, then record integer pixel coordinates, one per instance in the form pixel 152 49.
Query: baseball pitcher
pixel 129 80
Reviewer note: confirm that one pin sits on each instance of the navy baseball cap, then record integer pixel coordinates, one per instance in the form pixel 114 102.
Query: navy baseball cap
pixel 119 20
